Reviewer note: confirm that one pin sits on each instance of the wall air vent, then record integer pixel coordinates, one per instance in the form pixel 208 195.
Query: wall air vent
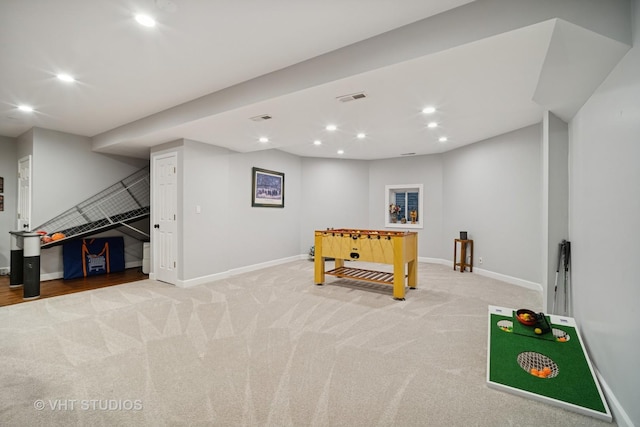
pixel 261 118
pixel 352 97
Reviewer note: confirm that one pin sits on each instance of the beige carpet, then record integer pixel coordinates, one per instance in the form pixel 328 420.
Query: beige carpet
pixel 267 348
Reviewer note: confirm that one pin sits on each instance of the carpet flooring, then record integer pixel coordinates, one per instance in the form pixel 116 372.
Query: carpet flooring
pixel 266 348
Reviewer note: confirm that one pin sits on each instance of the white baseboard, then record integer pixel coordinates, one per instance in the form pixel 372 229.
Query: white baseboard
pixel 498 276
pixel 620 416
pixel 434 261
pixel 235 271
pixel 200 280
pixel 254 267
pixel 509 279
pixel 51 276
pixel 132 264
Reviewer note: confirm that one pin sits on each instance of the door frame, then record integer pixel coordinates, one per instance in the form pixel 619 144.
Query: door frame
pixel 155 212
pixel 20 226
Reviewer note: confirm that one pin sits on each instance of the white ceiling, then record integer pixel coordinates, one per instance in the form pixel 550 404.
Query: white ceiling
pixel 128 75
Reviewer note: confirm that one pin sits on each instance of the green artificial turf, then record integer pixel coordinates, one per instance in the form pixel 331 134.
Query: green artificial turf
pixel 519 328
pixel 574 383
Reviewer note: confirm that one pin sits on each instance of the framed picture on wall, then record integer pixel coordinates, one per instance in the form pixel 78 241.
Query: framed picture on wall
pixel 1 184
pixel 1 202
pixel 267 188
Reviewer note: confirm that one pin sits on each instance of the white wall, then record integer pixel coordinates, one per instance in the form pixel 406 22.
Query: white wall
pixel 319 193
pixel 492 190
pixel 229 233
pixel 205 173
pixel 25 144
pixel 66 172
pixel 555 208
pixel 334 196
pixel 8 171
pixel 256 234
pixel 604 218
pixel 425 170
pixel 498 178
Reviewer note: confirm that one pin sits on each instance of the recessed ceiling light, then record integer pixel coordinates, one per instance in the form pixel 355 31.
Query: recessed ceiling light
pixel 429 110
pixel 317 142
pixel 145 20
pixel 331 127
pixel 65 78
pixel 340 151
pixel 263 139
pixel 432 125
pixel 25 108
pixel 361 135
pixel 443 139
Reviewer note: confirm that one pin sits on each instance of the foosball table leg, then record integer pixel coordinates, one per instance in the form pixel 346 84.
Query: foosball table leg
pixel 412 276
pixel 318 268
pixel 398 289
pixel 398 278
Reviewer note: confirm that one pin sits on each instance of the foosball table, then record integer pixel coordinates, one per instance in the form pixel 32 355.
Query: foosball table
pixel 398 248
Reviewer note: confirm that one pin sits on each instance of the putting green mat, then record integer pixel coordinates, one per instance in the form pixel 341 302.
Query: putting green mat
pixel 568 380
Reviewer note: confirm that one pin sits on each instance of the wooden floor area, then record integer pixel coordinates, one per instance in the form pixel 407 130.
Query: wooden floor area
pixel 54 288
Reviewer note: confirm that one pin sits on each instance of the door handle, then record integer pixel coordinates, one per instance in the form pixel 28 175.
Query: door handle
pixel 156 225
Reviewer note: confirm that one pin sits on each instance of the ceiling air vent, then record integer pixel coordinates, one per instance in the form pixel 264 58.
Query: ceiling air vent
pixel 261 118
pixel 352 97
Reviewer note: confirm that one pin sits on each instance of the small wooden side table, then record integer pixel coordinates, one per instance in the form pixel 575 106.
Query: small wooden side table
pixel 463 255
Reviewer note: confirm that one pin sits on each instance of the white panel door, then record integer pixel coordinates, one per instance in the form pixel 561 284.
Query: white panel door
pixel 24 193
pixel 165 241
